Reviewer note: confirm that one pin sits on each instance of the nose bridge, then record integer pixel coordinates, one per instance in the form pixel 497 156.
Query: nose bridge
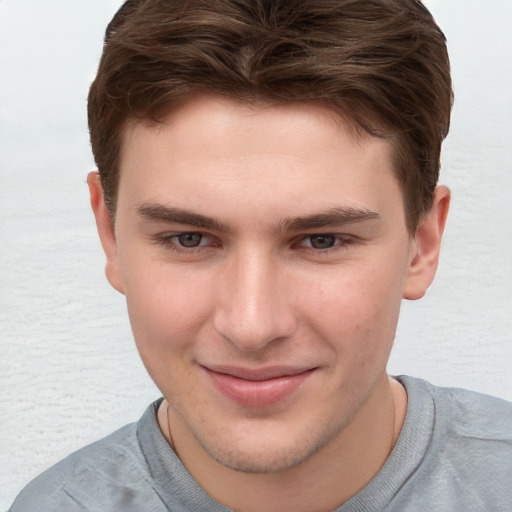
pixel 253 309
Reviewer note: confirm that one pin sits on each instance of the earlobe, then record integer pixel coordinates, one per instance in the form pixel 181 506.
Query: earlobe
pixel 105 231
pixel 423 266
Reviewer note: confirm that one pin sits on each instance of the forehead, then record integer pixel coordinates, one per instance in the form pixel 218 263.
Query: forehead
pixel 213 147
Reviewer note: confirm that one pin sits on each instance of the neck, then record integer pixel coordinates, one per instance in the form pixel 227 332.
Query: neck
pixel 324 481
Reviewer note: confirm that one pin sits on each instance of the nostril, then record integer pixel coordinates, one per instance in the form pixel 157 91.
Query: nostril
pixel 252 308
pixel 253 330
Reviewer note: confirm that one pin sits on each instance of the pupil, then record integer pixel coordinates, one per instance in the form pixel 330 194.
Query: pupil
pixel 189 239
pixel 322 241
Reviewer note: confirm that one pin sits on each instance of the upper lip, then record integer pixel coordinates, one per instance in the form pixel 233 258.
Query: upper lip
pixel 257 374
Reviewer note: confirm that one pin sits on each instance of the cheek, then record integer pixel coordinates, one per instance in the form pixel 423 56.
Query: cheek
pixel 356 309
pixel 166 313
pixel 165 307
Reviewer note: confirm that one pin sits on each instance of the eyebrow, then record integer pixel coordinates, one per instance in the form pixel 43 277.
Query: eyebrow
pixel 160 213
pixel 332 217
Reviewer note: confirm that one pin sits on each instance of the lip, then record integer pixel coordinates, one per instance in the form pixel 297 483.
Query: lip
pixel 257 388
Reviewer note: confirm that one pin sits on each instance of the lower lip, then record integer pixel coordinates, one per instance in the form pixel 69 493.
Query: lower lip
pixel 257 393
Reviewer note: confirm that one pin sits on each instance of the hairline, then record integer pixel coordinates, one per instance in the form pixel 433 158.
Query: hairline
pixel 258 101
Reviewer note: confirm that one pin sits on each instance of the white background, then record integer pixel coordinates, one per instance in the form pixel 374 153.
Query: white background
pixel 69 371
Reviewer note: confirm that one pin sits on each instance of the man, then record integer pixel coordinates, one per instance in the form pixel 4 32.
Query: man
pixel 266 197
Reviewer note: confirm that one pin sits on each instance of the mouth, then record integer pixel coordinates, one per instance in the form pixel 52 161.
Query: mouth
pixel 257 388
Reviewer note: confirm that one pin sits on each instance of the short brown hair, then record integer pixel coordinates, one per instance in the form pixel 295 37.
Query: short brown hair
pixel 382 63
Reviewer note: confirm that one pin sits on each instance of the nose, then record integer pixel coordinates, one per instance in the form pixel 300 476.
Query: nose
pixel 253 308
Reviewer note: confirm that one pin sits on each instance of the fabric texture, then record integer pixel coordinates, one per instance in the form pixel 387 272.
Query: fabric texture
pixel 454 454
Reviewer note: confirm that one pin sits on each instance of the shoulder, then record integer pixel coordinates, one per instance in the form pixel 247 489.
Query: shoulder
pixel 464 416
pixel 473 415
pixel 467 461
pixel 462 412
pixel 474 436
pixel 88 477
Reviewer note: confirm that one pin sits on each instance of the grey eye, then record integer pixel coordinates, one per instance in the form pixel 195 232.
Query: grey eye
pixel 322 241
pixel 190 240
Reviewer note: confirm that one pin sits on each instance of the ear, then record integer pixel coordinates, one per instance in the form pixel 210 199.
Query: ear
pixel 106 231
pixel 427 243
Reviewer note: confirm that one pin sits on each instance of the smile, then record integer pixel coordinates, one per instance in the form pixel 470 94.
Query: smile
pixel 257 388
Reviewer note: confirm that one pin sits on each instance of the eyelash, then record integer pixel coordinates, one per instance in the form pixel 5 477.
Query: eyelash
pixel 340 242
pixel 170 241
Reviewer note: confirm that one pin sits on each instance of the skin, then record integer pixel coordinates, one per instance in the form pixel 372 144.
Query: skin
pixel 301 261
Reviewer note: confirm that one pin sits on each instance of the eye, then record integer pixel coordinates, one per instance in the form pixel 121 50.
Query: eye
pixel 322 241
pixel 189 240
pixel 326 243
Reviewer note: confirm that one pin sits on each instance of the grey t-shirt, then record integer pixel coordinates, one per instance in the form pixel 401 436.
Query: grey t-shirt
pixel 454 454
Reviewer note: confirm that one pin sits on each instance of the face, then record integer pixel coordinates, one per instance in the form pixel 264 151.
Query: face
pixel 263 252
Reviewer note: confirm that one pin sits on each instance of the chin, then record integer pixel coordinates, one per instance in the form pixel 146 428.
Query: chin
pixel 269 456
pixel 263 462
